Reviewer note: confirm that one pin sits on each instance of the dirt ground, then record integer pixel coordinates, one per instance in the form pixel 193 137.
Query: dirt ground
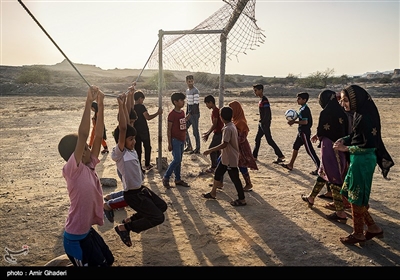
pixel 275 229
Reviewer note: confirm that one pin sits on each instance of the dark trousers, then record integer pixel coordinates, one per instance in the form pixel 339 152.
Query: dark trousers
pixel 265 130
pixel 147 150
pixel 149 209
pixel 233 174
pixel 215 141
pixel 304 139
pixel 95 251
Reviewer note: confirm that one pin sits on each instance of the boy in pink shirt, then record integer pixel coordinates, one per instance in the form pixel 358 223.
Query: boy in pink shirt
pixel 82 244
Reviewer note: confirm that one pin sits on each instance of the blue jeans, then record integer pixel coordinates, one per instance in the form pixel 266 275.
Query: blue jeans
pixel 194 121
pixel 175 165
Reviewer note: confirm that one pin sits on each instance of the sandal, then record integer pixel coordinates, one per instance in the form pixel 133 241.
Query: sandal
pixel 335 217
pixel 286 166
pixel 125 237
pixel 208 195
pixel 237 202
pixel 247 190
pixel 305 198
pixel 351 240
pixel 182 184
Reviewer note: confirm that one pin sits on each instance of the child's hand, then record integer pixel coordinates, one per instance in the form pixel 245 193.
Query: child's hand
pixel 121 99
pixel 291 122
pixel 205 136
pixel 206 152
pixel 100 97
pixel 92 93
pixel 160 111
pixel 132 87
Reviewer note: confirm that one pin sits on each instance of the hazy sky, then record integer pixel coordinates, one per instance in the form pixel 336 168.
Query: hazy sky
pixel 302 37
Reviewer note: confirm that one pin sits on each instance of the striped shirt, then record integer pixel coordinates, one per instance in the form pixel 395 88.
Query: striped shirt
pixel 192 97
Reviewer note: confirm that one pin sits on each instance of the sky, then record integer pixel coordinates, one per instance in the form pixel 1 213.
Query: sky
pixel 301 37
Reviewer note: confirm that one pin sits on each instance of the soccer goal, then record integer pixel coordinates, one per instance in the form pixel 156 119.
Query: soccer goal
pixel 203 50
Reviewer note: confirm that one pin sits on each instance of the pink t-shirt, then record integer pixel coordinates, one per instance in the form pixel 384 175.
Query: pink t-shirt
pixel 85 195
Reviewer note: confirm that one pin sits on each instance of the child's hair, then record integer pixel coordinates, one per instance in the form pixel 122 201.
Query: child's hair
pixel 209 98
pixel 226 113
pixel 177 96
pixel 67 145
pixel 189 77
pixel 130 131
pixel 138 94
pixel 303 95
pixel 258 86
pixel 95 107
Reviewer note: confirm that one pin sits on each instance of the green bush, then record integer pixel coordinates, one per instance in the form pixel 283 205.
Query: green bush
pixel 35 74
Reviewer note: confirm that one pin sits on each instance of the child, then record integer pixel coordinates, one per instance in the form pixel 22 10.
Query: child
pixel 142 128
pixel 148 205
pixel 216 129
pixel 246 159
pixel 103 142
pixel 176 133
pixel 264 125
pixel 305 123
pixel 332 125
pixel 82 244
pixel 192 115
pixel 366 150
pixel 229 158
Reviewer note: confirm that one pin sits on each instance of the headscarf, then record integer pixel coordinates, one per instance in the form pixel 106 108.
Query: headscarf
pixel 367 136
pixel 238 117
pixel 333 122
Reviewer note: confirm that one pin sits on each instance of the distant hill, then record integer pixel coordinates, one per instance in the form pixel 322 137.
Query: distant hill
pixel 64 80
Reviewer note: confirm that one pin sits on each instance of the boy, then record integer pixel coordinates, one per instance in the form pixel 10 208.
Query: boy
pixel 82 244
pixel 264 125
pixel 216 129
pixel 148 205
pixel 305 123
pixel 192 115
pixel 229 158
pixel 142 128
pixel 176 133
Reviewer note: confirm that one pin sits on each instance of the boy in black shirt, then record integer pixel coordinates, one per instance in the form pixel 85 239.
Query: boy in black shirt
pixel 305 123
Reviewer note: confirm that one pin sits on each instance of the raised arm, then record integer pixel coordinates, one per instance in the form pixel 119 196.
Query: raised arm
pixel 130 100
pixel 99 124
pixel 84 127
pixel 122 121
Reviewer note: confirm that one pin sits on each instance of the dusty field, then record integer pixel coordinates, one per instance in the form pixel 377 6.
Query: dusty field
pixel 276 228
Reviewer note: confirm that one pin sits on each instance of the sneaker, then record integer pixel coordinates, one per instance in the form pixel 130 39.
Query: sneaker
pixel 109 215
pixel 181 183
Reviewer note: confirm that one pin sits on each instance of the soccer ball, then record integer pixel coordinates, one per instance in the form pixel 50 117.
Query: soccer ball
pixel 291 115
